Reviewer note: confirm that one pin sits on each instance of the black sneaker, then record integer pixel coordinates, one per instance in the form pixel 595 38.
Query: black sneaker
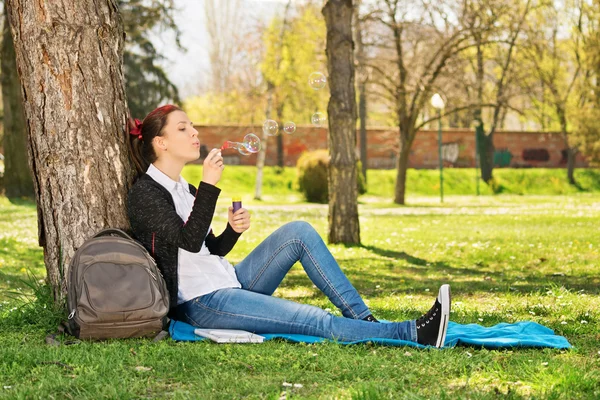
pixel 432 327
pixel 370 318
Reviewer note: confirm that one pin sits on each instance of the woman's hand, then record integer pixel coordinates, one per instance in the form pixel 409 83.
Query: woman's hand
pixel 213 167
pixel 240 221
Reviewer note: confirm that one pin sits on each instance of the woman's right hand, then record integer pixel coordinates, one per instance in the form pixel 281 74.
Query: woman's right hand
pixel 213 167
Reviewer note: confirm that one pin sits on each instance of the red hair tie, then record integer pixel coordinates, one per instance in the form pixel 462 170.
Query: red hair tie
pixel 137 130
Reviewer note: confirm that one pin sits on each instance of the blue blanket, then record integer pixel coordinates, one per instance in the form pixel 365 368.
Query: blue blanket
pixel 503 335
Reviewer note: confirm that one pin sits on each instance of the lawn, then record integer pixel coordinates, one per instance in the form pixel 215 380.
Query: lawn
pixel 508 258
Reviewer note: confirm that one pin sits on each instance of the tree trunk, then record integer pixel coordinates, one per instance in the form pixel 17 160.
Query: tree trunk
pixel 260 160
pixel 362 111
pixel 401 169
pixel 486 155
pixel 280 148
pixel 69 58
pixel 343 191
pixel 262 153
pixel 485 142
pixel 362 92
pixel 18 182
pixel 571 153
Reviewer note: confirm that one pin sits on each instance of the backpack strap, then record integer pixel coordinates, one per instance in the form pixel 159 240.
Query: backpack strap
pixel 160 336
pixel 62 330
pixel 113 231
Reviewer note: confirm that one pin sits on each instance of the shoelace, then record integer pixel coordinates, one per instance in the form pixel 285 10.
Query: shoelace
pixel 429 316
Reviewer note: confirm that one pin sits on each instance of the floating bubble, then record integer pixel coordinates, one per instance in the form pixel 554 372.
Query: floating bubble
pixel 250 145
pixel 270 127
pixel 318 119
pixel 289 127
pixel 317 80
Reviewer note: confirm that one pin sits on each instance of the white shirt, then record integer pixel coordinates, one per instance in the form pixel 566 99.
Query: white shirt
pixel 198 273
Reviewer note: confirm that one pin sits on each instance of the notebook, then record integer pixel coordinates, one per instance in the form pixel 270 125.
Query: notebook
pixel 229 335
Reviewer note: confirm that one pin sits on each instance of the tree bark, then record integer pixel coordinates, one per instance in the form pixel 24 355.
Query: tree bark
pixel 69 58
pixel 18 182
pixel 343 191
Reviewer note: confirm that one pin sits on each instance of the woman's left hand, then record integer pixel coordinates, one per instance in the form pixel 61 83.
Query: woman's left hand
pixel 240 221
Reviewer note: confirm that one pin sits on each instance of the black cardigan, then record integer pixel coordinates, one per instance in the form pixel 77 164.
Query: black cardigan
pixel 159 228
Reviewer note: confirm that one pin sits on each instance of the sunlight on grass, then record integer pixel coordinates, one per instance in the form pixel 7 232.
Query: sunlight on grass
pixel 508 258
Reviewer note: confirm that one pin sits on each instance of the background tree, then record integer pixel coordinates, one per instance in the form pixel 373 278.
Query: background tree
pixel 17 180
pixel 69 55
pixel 343 191
pixel 586 130
pixel 222 23
pixel 240 99
pixel 260 160
pixel 492 60
pixel 415 46
pixel 146 82
pixel 361 84
pixel 556 62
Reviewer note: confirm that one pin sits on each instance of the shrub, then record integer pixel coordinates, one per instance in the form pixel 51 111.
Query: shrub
pixel 313 168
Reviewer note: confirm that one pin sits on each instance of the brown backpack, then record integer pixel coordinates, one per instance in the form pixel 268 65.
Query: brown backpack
pixel 115 289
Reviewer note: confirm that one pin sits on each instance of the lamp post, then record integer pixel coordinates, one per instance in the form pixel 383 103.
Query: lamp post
pixel 438 103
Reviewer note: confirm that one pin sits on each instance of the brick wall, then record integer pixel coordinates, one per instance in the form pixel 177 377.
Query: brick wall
pixel 382 146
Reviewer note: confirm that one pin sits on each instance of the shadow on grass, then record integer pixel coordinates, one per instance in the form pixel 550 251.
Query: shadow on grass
pixel 22 201
pixel 401 255
pixel 415 278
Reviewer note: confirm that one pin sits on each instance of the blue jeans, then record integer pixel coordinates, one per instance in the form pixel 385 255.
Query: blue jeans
pixel 252 308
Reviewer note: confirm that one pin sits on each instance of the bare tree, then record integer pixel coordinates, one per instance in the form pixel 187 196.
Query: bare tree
pixel 361 85
pixel 222 23
pixel 416 43
pixel 69 57
pixel 510 19
pixel 271 93
pixel 558 64
pixel 343 191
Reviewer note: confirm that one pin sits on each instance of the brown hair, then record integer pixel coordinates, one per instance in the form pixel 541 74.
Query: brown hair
pixel 141 136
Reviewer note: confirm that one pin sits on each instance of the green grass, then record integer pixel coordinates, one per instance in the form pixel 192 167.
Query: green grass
pixel 279 185
pixel 508 258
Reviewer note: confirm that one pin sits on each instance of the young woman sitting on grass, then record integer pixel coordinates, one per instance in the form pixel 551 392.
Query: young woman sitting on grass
pixel 172 219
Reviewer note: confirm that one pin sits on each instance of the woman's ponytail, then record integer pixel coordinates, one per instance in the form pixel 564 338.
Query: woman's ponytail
pixel 142 133
pixel 136 145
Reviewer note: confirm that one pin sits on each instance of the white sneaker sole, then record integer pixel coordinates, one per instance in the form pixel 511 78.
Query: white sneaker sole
pixel 444 299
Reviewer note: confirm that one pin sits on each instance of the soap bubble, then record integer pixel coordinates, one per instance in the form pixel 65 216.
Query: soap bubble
pixel 244 151
pixel 318 119
pixel 252 143
pixel 289 127
pixel 270 127
pixel 317 80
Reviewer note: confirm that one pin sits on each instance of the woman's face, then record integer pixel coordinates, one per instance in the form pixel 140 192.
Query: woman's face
pixel 180 139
